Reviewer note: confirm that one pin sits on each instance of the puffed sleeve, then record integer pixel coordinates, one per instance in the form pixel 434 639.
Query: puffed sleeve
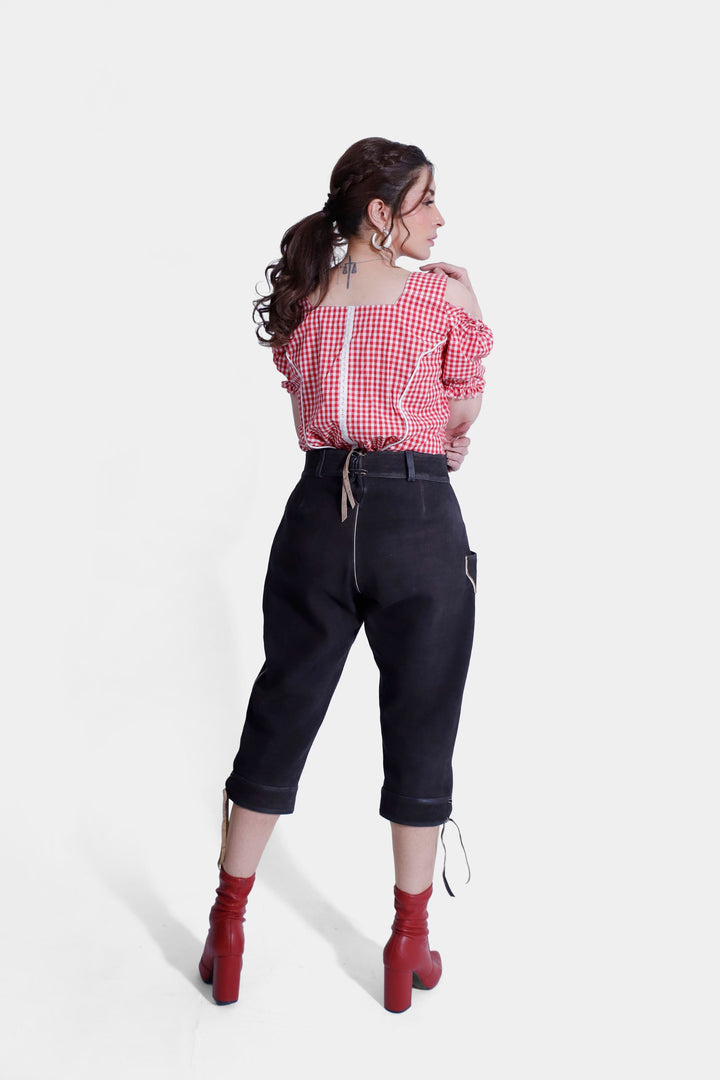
pixel 282 362
pixel 468 341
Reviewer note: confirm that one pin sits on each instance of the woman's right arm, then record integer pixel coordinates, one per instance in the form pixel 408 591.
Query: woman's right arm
pixel 463 413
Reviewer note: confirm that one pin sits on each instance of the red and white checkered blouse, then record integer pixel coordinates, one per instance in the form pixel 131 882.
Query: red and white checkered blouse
pixel 378 376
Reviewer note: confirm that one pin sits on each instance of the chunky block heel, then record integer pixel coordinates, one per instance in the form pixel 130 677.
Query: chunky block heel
pixel 226 979
pixel 398 989
pixel 224 974
pixel 407 957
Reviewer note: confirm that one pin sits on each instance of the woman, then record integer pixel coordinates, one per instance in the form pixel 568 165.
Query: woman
pixel 384 371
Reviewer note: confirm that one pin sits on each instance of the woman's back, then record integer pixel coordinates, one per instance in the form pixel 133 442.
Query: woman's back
pixel 354 283
pixel 375 368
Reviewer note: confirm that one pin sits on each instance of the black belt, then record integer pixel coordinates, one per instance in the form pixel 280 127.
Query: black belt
pixel 389 464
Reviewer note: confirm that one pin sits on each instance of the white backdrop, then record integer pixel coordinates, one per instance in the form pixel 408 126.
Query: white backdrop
pixel 154 153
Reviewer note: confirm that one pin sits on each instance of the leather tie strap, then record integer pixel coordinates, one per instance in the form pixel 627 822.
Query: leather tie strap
pixel 224 828
pixel 442 840
pixel 346 489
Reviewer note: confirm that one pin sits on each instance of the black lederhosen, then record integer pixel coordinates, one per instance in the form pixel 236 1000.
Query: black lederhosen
pixel 401 566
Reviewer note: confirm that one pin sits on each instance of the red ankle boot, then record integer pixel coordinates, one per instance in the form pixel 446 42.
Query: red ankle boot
pixel 407 956
pixel 221 961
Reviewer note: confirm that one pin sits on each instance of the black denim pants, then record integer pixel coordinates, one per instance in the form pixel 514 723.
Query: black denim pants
pixel 399 565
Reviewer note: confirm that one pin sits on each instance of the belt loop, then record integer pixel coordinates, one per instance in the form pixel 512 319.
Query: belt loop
pixel 321 462
pixel 409 458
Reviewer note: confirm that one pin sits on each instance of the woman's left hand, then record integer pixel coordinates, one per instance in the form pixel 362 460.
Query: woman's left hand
pixel 456 451
pixel 458 273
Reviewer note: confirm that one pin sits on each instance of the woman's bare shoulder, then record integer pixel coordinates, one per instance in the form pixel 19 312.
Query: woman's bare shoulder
pixel 456 294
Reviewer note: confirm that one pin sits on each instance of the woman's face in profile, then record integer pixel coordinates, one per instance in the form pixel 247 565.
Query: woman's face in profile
pixel 415 231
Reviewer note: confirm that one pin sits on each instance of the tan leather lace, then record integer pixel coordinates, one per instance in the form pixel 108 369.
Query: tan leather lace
pixel 224 828
pixel 346 489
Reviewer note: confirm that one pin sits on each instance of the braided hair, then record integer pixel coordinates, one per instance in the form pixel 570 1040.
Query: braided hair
pixel 370 169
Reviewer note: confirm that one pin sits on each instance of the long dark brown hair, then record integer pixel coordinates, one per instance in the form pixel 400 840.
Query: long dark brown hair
pixel 369 169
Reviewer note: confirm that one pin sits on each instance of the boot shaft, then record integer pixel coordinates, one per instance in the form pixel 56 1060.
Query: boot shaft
pixel 411 916
pixel 231 897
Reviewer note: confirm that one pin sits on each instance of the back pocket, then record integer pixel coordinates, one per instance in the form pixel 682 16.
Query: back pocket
pixel 471 568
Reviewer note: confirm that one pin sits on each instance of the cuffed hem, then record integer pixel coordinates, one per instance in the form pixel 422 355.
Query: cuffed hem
pixel 463 391
pixel 259 797
pixel 404 810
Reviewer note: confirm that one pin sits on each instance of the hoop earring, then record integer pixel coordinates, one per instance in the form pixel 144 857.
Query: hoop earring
pixel 380 245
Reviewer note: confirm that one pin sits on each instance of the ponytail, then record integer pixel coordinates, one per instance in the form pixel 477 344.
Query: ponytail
pixel 306 258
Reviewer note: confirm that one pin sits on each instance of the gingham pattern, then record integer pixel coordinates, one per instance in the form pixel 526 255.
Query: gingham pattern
pixel 378 376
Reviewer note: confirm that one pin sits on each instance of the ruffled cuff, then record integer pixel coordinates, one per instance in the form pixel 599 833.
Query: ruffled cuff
pixel 468 341
pixel 291 382
pixel 466 388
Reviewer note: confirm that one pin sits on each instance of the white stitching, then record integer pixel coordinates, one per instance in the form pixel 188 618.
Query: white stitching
pixel 468 574
pixel 357 514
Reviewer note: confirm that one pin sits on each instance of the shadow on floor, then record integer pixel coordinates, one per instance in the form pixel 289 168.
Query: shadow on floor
pixel 126 881
pixel 359 956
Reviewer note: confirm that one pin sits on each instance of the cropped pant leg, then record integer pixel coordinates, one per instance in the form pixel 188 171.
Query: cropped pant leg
pixel 418 576
pixel 310 623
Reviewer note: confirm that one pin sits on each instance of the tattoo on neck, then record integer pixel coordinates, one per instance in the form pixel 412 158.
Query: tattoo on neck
pixel 349 268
